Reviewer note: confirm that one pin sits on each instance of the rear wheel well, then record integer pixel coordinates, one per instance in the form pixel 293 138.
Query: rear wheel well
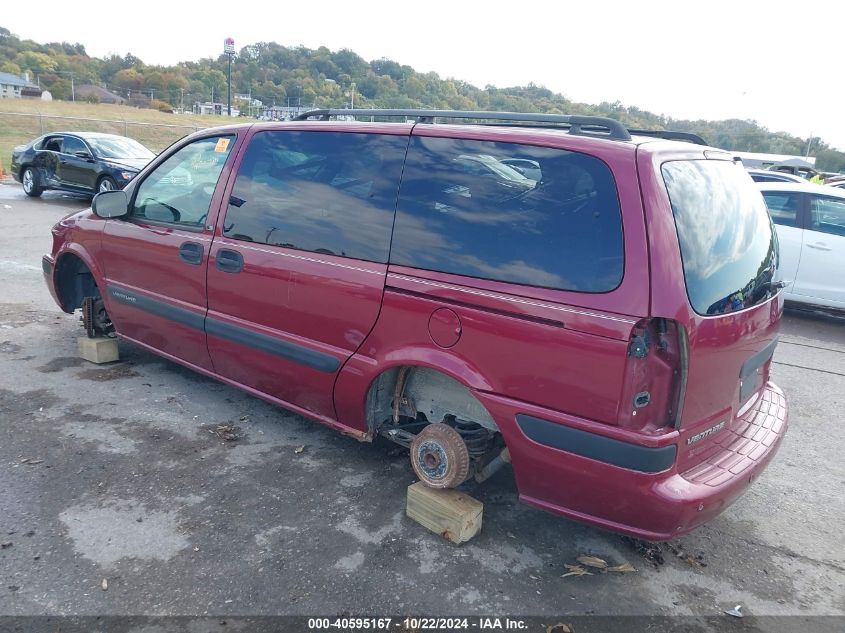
pixel 74 282
pixel 412 391
pixel 449 433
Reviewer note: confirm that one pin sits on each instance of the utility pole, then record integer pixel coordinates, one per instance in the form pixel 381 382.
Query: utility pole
pixel 72 84
pixel 229 51
pixel 809 142
pixel 182 100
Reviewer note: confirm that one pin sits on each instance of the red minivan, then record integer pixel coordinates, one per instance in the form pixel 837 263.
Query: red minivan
pixel 597 309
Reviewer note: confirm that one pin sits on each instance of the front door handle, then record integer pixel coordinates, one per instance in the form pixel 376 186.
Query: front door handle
pixel 191 253
pixel 820 246
pixel 229 261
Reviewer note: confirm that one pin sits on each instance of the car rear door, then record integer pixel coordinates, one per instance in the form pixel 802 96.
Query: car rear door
pixel 820 274
pixel 297 267
pixel 787 211
pixel 155 258
pixel 46 160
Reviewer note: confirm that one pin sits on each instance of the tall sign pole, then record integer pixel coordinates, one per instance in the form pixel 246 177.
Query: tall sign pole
pixel 229 51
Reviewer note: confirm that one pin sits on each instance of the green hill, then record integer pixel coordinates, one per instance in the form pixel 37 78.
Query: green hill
pixel 275 74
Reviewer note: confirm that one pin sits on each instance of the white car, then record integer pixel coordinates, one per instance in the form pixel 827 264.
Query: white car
pixel 810 224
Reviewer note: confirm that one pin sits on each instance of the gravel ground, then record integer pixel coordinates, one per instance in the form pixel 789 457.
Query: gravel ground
pixel 118 495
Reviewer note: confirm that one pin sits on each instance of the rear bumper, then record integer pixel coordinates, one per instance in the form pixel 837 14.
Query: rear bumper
pixel 642 503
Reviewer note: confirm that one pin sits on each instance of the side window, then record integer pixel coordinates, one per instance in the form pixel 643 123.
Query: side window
pixel 325 192
pixel 179 190
pixel 71 145
pixel 53 144
pixel 783 206
pixel 828 215
pixel 465 208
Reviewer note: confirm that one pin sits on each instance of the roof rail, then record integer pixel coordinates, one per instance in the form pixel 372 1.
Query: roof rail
pixel 670 135
pixel 578 125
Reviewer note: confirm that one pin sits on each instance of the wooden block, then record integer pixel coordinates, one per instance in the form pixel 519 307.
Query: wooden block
pixel 453 514
pixel 101 349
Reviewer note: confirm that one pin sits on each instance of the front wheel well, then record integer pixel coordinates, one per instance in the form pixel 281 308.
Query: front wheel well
pixel 74 282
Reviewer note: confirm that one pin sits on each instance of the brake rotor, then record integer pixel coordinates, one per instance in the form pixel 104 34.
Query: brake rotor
pixel 95 319
pixel 440 457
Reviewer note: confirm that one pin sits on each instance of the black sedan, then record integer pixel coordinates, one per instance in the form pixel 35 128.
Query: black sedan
pixel 82 162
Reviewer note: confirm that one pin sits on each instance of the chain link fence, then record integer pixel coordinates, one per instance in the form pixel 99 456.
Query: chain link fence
pixel 19 129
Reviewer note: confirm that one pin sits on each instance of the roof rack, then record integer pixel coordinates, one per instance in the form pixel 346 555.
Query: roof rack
pixel 670 135
pixel 579 125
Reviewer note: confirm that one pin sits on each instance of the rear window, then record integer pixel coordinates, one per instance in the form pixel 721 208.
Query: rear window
pixel 529 215
pixel 728 245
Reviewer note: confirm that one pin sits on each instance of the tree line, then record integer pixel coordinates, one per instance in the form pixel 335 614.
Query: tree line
pixel 280 75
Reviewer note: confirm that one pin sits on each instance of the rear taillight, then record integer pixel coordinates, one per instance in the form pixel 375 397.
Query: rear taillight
pixel 655 376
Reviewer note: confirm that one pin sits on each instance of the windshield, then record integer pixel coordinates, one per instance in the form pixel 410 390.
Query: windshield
pixel 728 246
pixel 119 147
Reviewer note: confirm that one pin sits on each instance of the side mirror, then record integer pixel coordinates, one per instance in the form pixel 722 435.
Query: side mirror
pixel 111 204
pixel 83 155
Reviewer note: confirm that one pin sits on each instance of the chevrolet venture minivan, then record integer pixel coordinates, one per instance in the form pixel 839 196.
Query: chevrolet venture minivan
pixel 596 308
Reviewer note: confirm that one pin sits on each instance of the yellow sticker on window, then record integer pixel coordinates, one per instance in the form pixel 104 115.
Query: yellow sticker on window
pixel 222 145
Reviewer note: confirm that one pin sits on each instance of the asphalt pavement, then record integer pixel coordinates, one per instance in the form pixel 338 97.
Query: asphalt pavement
pixel 120 494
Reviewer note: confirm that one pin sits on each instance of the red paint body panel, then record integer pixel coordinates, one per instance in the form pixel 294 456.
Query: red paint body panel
pixel 144 259
pixel 559 356
pixel 325 303
pixel 537 359
pixel 652 506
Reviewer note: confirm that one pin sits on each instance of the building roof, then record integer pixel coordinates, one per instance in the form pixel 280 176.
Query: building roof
pixel 9 79
pixel 87 90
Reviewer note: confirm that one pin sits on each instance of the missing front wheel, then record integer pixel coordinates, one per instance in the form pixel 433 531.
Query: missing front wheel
pixel 95 319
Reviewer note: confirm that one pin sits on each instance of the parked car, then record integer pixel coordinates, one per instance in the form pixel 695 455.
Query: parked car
pixel 840 184
pixel 608 330
pixel 82 162
pixel 810 223
pixel 765 175
pixel 796 170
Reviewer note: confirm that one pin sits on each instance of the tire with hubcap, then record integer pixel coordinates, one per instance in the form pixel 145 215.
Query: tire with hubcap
pixel 106 183
pixel 29 180
pixel 439 456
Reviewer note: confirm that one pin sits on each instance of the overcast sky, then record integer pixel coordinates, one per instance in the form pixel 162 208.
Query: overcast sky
pixel 779 63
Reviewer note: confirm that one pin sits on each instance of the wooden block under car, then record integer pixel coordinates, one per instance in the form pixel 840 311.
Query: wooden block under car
pixel 453 514
pixel 101 349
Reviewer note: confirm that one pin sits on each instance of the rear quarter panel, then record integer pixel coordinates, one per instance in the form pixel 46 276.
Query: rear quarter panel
pixel 561 350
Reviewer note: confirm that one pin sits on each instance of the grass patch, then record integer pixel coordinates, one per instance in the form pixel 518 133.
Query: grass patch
pixel 154 129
